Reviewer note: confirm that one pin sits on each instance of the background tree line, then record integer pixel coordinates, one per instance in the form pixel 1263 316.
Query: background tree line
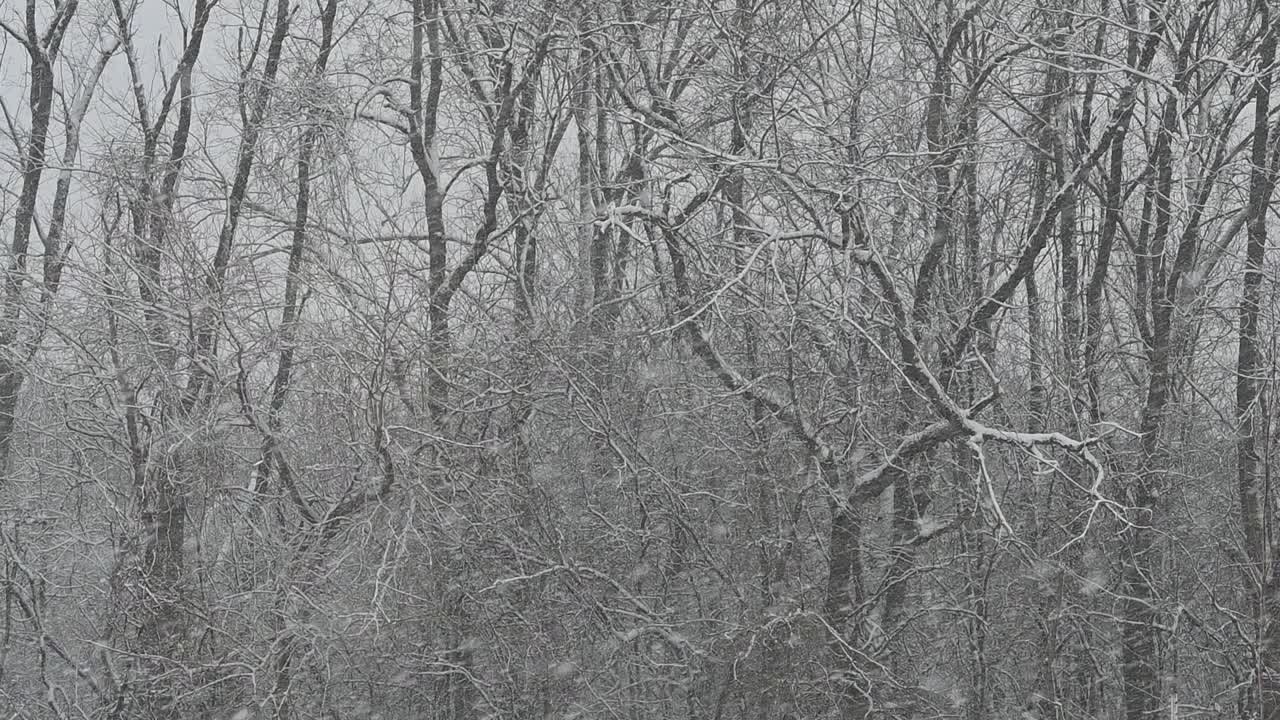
pixel 527 359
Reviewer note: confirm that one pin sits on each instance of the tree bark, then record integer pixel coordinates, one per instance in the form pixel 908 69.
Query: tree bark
pixel 1251 366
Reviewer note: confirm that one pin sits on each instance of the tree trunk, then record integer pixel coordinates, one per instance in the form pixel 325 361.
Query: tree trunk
pixel 1251 365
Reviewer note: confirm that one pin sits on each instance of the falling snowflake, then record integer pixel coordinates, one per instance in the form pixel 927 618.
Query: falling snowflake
pixel 1093 582
pixel 564 670
pixel 928 525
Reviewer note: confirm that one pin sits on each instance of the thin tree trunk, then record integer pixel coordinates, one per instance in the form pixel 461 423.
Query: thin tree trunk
pixel 163 476
pixel 272 457
pixel 43 51
pixel 424 103
pixel 1250 400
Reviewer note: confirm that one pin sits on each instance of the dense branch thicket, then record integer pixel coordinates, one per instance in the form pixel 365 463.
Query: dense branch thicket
pixel 769 359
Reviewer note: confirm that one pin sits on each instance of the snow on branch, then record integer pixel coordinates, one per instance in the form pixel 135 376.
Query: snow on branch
pixel 954 421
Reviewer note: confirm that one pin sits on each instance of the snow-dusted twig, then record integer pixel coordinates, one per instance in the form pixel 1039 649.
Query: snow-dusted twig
pixel 987 486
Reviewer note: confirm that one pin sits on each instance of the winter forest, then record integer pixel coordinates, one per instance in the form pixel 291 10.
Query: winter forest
pixel 639 359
